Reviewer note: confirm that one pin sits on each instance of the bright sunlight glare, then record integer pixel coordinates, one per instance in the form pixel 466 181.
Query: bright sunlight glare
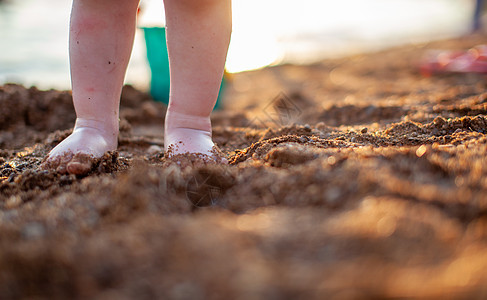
pixel 271 31
pixel 265 32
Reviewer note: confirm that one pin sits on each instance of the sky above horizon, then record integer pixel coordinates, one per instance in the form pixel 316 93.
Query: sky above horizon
pixel 34 33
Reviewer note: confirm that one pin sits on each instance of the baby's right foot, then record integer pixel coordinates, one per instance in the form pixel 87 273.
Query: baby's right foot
pixel 77 153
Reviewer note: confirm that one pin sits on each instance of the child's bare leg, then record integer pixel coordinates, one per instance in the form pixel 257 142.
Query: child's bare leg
pixel 100 43
pixel 198 34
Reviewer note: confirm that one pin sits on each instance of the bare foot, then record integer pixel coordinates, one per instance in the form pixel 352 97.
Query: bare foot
pixel 189 134
pixel 77 153
pixel 187 140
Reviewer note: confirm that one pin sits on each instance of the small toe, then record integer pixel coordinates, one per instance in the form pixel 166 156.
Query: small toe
pixel 61 169
pixel 81 164
pixel 46 165
pixel 57 163
pixel 78 168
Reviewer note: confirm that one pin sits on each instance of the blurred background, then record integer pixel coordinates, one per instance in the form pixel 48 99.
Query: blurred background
pixel 34 33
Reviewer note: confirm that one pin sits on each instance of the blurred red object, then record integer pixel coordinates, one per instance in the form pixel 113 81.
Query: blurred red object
pixel 473 60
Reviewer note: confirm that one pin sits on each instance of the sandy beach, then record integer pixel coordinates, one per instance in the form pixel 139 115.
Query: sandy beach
pixel 351 178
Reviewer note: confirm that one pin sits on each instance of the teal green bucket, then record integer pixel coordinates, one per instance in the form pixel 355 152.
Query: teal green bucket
pixel 155 41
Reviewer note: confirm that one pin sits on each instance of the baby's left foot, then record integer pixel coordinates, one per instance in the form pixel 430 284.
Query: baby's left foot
pixel 190 135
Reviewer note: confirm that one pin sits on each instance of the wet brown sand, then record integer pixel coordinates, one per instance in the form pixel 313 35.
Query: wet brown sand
pixel 349 178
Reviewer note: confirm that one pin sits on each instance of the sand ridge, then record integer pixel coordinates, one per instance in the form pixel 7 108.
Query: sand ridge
pixel 349 178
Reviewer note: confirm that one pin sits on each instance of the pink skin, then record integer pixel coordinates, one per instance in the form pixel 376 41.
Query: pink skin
pixel 198 34
pixel 100 43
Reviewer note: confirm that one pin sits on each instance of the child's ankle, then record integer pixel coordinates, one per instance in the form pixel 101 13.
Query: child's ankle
pixel 176 120
pixel 107 129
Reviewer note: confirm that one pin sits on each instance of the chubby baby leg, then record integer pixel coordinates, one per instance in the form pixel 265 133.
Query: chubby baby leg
pixel 100 43
pixel 198 34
